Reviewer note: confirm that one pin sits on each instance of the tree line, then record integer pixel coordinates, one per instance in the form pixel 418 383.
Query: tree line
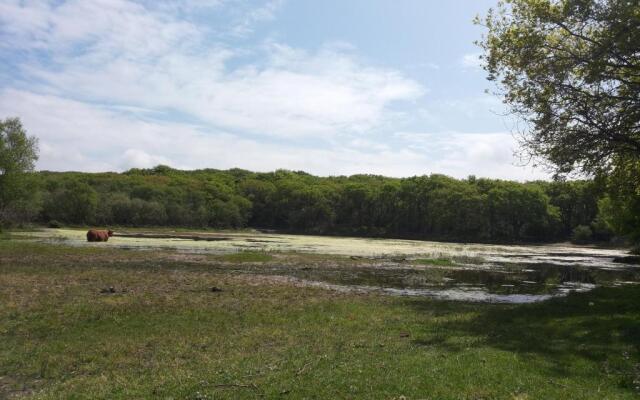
pixel 423 207
pixel 433 207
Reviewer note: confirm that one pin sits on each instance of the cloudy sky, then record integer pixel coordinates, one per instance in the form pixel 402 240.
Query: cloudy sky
pixel 331 87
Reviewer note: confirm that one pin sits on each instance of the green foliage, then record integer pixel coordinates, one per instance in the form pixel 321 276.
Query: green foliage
pixel 571 70
pixel 619 211
pixel 581 234
pixel 576 201
pixel 520 211
pixel 54 224
pixel 18 154
pixel 424 207
pixel 73 203
pixel 443 262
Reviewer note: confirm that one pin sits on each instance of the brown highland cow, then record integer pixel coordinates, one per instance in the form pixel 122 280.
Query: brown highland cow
pixel 95 235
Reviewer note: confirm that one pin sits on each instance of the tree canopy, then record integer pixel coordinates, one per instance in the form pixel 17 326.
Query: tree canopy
pixel 420 207
pixel 18 154
pixel 571 70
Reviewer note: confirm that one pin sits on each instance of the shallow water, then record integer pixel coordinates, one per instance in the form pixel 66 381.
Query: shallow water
pixel 500 284
pixel 490 273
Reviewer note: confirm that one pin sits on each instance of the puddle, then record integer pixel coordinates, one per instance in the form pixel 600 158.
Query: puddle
pixel 497 285
pixel 486 273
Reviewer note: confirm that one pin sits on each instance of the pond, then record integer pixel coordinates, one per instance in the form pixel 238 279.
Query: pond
pixel 452 271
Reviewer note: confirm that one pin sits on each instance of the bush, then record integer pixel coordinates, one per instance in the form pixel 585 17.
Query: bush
pixel 581 234
pixel 54 224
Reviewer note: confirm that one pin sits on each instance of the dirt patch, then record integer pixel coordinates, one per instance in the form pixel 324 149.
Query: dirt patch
pixel 11 388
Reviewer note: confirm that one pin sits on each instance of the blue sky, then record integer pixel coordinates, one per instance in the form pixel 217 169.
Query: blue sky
pixel 329 87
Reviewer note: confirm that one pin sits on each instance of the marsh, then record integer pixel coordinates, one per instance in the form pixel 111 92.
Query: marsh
pixel 453 271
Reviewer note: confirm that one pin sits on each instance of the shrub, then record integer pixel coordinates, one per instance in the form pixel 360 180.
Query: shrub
pixel 54 224
pixel 581 234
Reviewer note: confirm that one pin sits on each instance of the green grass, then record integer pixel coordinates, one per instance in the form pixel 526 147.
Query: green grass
pixel 165 334
pixel 441 262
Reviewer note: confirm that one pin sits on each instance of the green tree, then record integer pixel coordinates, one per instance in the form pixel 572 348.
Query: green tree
pixel 18 154
pixel 581 234
pixel 519 212
pixel 571 70
pixel 310 210
pixel 75 203
pixel 577 202
pixel 423 207
pixel 260 194
pixel 620 210
pixel 354 208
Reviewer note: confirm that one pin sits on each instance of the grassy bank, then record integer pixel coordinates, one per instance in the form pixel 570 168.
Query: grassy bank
pixel 161 332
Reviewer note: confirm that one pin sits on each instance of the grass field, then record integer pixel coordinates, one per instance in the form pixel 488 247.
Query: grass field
pixel 91 322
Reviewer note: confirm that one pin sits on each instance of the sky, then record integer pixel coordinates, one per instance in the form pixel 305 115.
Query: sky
pixel 331 87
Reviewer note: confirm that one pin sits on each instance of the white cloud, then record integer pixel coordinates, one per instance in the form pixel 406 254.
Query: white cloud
pixel 462 154
pixel 122 53
pixel 464 114
pixel 424 65
pixel 77 136
pixel 187 6
pixel 95 30
pixel 136 158
pixel 107 68
pixel 266 12
pixel 295 94
pixel 472 60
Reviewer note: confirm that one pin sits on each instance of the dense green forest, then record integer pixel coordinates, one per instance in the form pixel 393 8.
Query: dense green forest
pixel 426 207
